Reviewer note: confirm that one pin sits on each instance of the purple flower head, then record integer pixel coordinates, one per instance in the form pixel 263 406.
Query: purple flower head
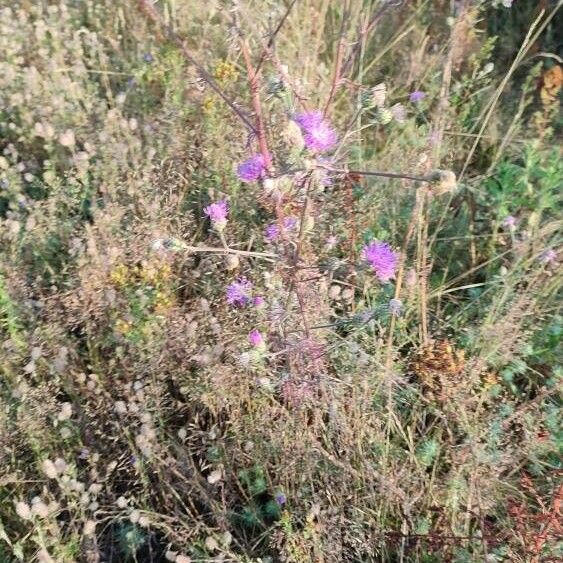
pixel 309 119
pixel 318 134
pixel 510 222
pixel 549 256
pixel 251 169
pixel 217 213
pixel 382 259
pixel 281 499
pixel 320 138
pixel 256 339
pixel 417 96
pixel 272 231
pixel 258 302
pixel 395 307
pixel 239 293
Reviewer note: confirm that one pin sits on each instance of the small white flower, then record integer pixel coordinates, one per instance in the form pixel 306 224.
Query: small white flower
pixel 89 528
pixel 49 469
pixel 215 476
pixel 23 510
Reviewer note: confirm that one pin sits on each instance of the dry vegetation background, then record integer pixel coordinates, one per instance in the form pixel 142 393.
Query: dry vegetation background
pixel 410 421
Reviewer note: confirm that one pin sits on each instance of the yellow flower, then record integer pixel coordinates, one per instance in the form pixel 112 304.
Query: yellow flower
pixel 155 274
pixel 208 105
pixel 120 275
pixel 162 302
pixel 122 326
pixel 225 72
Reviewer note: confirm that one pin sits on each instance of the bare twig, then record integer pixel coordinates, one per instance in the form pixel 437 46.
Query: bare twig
pixel 397 175
pixel 363 32
pixel 338 63
pixel 227 250
pixel 272 37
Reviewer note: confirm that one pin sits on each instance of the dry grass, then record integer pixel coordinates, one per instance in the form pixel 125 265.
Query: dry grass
pixel 137 423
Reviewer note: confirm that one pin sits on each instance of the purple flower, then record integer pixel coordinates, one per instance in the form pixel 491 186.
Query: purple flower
pixel 309 119
pixel 272 231
pixel 320 138
pixel 251 169
pixel 256 339
pixel 258 302
pixel 239 293
pixel 318 135
pixel 417 96
pixel 281 499
pixel 549 256
pixel 382 259
pixel 510 222
pixel 217 213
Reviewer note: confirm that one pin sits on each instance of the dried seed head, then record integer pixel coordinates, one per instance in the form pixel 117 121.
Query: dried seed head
pixel 49 469
pixel 23 510
pixel 443 182
pixel 89 527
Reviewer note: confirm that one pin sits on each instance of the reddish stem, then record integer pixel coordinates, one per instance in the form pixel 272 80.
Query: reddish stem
pixel 254 89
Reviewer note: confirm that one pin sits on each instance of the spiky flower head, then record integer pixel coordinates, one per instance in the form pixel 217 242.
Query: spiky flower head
pixel 272 231
pixel 256 339
pixel 239 293
pixel 217 213
pixel 318 134
pixel 252 169
pixel 417 96
pixel 382 259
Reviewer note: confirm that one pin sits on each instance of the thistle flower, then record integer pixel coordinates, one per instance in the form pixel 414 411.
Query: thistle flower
pixel 252 169
pixel 382 259
pixel 239 293
pixel 309 119
pixel 272 231
pixel 417 96
pixel 318 134
pixel 255 337
pixel 258 302
pixel 217 213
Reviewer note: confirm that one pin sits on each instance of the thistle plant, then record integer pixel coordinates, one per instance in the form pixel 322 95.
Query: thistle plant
pixel 248 310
